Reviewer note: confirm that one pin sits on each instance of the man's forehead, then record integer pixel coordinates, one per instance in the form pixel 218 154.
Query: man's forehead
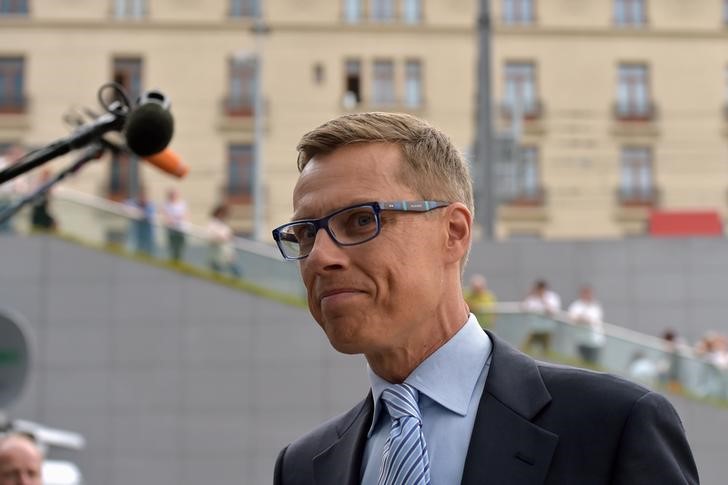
pixel 349 175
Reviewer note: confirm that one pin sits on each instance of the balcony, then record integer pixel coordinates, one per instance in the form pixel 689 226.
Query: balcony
pixel 637 112
pixel 526 197
pixel 638 197
pixel 239 106
pixel 13 104
pixel 530 111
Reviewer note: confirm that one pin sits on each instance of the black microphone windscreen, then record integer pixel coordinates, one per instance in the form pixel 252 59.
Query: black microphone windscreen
pixel 149 129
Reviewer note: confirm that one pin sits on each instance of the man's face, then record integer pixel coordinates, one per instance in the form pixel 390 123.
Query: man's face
pixel 370 298
pixel 20 463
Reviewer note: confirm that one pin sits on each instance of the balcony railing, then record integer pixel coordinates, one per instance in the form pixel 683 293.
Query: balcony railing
pixel 531 110
pixel 526 197
pixel 13 104
pixel 638 196
pixel 239 105
pixel 644 111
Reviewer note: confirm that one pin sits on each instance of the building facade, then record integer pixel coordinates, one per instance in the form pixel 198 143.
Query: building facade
pixel 608 109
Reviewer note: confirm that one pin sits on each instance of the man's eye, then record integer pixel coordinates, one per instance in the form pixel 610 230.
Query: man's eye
pixel 364 219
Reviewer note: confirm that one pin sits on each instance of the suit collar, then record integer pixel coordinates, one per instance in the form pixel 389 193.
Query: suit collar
pixel 506 446
pixel 340 463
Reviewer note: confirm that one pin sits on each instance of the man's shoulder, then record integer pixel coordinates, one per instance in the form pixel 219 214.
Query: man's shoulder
pixel 586 386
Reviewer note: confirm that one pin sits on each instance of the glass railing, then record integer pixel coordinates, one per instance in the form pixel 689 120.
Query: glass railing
pixel 650 360
pixel 98 222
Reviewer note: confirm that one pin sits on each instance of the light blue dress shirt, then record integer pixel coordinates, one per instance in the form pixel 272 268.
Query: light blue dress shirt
pixel 450 382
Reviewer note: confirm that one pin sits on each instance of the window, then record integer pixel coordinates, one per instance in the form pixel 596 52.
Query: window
pixel 382 10
pixel 520 178
pixel 413 83
pixel 241 87
pixel 352 11
pixel 130 9
pixel 13 7
pixel 629 13
pixel 520 90
pixel 383 93
pixel 124 171
pixel 319 74
pixel 127 71
pixel 12 80
pixel 239 185
pixel 412 11
pixel 636 179
pixel 517 12
pixel 244 8
pixel 633 98
pixel 352 95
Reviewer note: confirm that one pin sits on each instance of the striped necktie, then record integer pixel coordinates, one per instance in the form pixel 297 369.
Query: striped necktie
pixel 405 460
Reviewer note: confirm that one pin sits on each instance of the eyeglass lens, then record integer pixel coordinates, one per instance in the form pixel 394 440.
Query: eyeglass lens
pixel 348 227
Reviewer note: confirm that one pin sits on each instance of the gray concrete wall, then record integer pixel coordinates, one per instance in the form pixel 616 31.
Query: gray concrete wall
pixel 644 284
pixel 175 380
pixel 172 380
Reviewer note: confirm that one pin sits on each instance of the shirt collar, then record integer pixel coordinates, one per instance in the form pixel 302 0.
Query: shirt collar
pixel 449 375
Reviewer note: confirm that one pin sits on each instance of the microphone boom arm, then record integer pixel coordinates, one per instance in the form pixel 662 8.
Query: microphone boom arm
pixel 83 136
pixel 92 152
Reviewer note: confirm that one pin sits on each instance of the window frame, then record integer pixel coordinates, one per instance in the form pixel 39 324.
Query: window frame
pixel 12 85
pixel 240 161
pixel 637 175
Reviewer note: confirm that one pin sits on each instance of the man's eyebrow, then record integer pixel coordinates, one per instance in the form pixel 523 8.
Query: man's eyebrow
pixel 298 217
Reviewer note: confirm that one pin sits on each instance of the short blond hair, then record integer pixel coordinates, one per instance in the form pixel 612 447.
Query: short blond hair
pixel 433 167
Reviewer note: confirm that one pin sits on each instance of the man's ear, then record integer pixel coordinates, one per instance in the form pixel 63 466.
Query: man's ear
pixel 459 231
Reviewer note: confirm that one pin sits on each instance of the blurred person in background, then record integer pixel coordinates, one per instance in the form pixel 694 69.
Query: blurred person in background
pixel 480 300
pixel 174 215
pixel 713 348
pixel 41 218
pixel 545 304
pixel 221 245
pixel 587 311
pixel 12 189
pixel 21 461
pixel 143 225
pixel 670 367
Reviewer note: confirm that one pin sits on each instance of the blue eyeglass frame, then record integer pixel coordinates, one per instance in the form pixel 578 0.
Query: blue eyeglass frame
pixel 378 207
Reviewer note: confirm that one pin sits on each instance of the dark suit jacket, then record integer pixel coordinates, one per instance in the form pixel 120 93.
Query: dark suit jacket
pixel 536 424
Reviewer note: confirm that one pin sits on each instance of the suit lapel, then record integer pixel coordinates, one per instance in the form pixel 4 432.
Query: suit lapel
pixel 340 463
pixel 506 446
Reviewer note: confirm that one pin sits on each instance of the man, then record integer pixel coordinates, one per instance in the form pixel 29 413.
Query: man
pixel 381 230
pixel 545 303
pixel 20 461
pixel 587 311
pixel 480 300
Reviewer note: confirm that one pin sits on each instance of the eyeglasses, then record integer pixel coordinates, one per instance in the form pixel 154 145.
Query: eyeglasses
pixel 349 226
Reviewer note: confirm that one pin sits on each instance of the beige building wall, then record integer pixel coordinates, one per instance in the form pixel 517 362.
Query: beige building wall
pixel 577 51
pixel 186 46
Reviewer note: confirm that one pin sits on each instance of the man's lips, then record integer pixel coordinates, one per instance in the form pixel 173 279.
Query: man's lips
pixel 337 291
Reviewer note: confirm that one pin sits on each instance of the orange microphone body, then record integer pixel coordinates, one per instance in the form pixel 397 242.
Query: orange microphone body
pixel 168 162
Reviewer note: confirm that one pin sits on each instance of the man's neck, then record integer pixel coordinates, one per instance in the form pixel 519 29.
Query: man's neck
pixel 394 365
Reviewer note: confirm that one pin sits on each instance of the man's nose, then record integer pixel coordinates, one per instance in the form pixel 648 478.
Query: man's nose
pixel 325 250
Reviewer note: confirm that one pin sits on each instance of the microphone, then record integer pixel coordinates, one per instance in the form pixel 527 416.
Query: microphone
pixel 149 127
pixel 148 130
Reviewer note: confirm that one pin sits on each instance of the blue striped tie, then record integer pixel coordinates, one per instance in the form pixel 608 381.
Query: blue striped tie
pixel 405 460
